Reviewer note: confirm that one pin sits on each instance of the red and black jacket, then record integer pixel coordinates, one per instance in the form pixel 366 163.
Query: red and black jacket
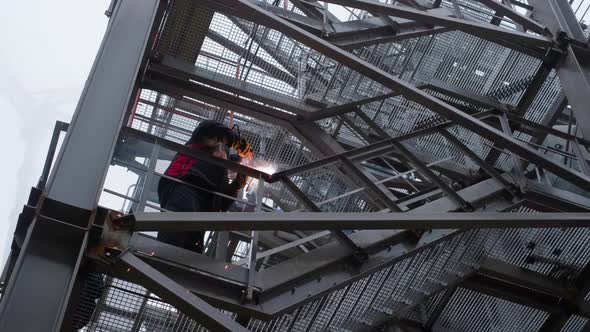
pixel 199 173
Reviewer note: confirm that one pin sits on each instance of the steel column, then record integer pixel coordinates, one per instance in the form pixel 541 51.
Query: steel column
pixel 45 272
pixel 102 106
pixel 574 69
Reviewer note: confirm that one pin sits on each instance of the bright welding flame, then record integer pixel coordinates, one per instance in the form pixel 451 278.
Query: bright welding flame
pixel 263 166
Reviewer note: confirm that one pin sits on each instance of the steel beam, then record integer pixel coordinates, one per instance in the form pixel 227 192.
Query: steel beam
pixel 557 321
pixel 199 221
pixel 53 249
pixel 371 30
pixel 102 107
pixel 517 167
pixel 467 96
pixel 543 130
pixel 277 54
pixel 506 11
pixel 440 307
pixel 527 278
pixel 408 90
pixel 179 297
pixel 57 237
pixel 555 198
pixel 525 293
pixel 554 323
pixel 181 70
pixel 312 207
pixel 57 130
pixel 220 99
pixel 525 101
pixel 356 41
pixel 513 293
pixel 480 162
pixel 328 111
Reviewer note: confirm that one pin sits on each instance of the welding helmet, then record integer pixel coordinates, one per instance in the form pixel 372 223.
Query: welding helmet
pixel 214 129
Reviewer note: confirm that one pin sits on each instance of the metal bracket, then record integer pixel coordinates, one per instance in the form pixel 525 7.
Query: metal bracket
pixel 114 235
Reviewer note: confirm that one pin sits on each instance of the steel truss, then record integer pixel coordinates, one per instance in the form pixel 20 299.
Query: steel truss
pixel 446 229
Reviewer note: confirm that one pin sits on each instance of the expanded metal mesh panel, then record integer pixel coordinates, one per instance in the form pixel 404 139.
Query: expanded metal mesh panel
pixel 255 44
pixel 471 311
pixel 184 30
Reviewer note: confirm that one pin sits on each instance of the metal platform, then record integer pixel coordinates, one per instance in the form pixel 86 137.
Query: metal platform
pixel 419 166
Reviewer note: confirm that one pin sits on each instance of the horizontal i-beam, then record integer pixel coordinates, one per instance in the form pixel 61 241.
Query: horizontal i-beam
pixel 212 221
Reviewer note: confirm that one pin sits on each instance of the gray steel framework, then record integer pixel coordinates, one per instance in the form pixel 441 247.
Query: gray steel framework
pixel 377 217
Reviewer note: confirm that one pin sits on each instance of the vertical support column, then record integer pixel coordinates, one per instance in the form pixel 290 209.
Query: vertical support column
pixel 46 269
pixel 105 99
pixel 574 70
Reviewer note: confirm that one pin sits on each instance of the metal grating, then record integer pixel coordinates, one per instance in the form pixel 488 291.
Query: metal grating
pixel 471 311
pixel 574 324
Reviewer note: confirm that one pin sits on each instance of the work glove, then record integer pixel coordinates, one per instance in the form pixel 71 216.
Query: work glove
pixel 244 149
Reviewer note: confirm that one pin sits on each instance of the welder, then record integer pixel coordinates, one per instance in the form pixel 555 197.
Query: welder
pixel 215 139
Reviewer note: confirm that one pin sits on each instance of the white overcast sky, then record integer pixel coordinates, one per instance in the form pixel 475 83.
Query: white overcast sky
pixel 46 51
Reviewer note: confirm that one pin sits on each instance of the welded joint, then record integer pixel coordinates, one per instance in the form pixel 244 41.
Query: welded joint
pixel 115 235
pixel 563 40
pixel 556 52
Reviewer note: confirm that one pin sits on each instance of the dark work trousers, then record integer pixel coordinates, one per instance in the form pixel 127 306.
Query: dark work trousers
pixel 182 198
